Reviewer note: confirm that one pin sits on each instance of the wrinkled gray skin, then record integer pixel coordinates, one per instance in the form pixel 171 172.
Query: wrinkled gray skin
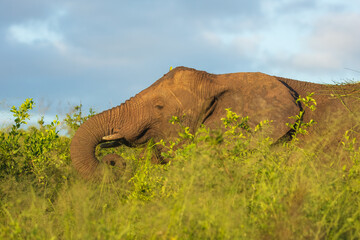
pixel 202 97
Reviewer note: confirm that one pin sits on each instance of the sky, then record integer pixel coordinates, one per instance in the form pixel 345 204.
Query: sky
pixel 100 53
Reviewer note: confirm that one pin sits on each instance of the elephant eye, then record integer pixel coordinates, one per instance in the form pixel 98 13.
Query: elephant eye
pixel 159 103
pixel 158 106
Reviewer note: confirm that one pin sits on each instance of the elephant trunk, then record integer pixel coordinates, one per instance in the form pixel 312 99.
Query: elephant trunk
pixel 93 131
pixel 83 144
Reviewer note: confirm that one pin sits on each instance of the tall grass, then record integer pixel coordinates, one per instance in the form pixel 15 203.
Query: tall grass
pixel 233 184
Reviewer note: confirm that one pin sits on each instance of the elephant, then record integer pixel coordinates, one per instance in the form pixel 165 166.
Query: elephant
pixel 202 98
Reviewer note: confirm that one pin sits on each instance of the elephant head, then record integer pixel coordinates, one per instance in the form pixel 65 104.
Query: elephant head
pixel 198 96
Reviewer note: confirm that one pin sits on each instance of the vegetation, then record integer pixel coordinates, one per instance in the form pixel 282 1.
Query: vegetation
pixel 232 184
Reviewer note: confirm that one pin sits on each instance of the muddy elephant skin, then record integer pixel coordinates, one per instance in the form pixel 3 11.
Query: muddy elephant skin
pixel 202 98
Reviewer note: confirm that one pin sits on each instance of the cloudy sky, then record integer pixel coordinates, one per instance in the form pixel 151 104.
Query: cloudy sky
pixel 100 53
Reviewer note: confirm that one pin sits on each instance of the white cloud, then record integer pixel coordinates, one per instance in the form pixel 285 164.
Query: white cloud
pixel 333 44
pixel 211 38
pixel 35 32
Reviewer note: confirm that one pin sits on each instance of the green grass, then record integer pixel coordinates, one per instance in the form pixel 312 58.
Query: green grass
pixel 218 185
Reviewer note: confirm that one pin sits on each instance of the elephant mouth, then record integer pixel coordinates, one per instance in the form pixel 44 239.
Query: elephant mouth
pixel 142 137
pixel 115 143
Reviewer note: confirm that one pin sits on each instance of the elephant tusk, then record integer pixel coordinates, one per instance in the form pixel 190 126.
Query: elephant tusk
pixel 112 137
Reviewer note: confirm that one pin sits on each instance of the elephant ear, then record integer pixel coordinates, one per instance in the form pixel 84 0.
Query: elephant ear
pixel 259 96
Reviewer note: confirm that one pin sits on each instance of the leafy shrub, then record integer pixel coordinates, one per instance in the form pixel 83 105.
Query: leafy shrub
pixel 299 127
pixel 38 152
pixel 30 152
pixel 75 119
pixel 232 183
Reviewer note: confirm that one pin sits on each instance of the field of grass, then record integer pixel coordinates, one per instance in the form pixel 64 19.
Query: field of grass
pixel 218 185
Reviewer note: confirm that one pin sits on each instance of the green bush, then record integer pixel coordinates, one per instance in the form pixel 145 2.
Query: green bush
pixel 75 119
pixel 39 152
pixel 233 183
pixel 33 152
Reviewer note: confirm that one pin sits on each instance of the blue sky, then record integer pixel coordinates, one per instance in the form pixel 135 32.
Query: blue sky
pixel 100 53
